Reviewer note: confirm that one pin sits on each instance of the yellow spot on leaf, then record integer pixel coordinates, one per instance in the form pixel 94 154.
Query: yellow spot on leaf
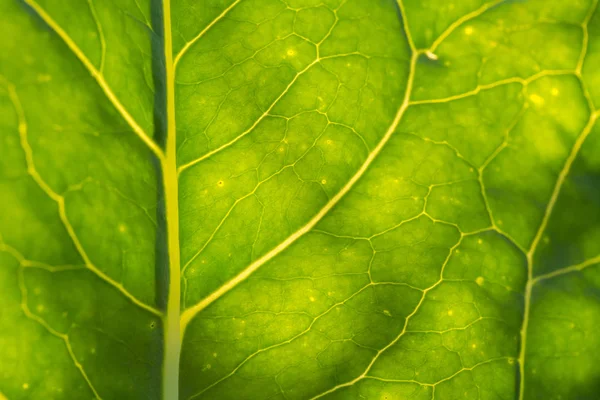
pixel 555 92
pixel 469 30
pixel 480 280
pixel 536 99
pixel 450 312
pixel 122 228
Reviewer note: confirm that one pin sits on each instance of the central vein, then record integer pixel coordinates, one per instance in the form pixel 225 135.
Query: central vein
pixel 169 170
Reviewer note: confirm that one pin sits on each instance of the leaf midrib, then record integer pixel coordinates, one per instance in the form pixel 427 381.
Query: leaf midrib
pixel 172 339
pixel 174 323
pixel 168 163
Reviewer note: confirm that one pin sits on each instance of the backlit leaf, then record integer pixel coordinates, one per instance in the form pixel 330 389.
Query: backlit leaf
pixel 299 199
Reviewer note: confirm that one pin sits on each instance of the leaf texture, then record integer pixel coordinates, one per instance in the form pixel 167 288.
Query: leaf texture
pixel 299 199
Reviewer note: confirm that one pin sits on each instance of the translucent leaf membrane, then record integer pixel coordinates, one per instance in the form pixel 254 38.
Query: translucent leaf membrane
pixel 299 199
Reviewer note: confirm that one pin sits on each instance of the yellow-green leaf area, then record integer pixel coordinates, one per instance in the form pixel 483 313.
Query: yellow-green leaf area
pixel 299 199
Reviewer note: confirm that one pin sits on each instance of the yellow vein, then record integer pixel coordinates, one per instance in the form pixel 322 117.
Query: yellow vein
pixel 189 313
pixel 379 352
pixel 266 113
pixel 465 18
pixel 488 86
pixel 404 16
pixel 402 332
pixel 206 29
pixel 482 186
pixel 54 332
pixel 290 340
pixel 100 34
pixel 454 375
pixel 586 36
pixel 97 75
pixel 470 93
pixel 172 341
pixel 231 209
pixel 560 181
pixel 254 125
pixel 567 270
pixel 36 264
pixel 32 171
pixel 545 219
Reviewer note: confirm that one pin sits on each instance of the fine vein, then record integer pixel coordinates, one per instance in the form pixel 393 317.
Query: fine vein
pixel 97 75
pixel 540 232
pixel 60 200
pixel 203 32
pixel 189 313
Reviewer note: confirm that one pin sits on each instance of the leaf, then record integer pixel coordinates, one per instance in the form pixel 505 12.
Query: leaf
pixel 300 199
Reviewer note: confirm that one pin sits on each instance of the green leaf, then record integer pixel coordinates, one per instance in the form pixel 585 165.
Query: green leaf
pixel 299 199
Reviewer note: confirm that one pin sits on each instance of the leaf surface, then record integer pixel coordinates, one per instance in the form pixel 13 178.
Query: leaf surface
pixel 300 199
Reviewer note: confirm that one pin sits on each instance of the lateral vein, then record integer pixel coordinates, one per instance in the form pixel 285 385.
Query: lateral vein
pixel 400 335
pixel 60 201
pixel 531 280
pixel 465 18
pixel 63 336
pixel 203 32
pixel 191 312
pixel 266 113
pixel 251 128
pixel 567 270
pixel 98 76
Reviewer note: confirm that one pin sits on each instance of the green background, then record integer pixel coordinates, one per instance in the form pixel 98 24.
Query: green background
pixel 377 200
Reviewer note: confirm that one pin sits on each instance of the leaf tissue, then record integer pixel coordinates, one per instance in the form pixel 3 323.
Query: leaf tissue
pixel 299 199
